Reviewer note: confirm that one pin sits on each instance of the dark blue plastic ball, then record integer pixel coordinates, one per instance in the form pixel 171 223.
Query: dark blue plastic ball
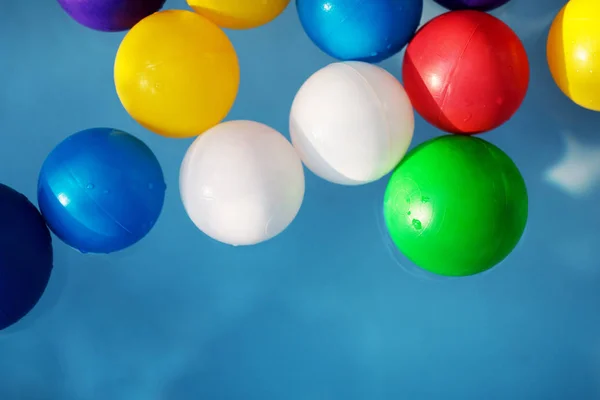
pixel 479 5
pixel 101 190
pixel 25 256
pixel 360 30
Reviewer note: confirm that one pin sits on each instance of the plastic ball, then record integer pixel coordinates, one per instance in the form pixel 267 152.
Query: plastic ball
pixel 359 30
pixel 177 73
pixel 241 183
pixel 466 72
pixel 239 14
pixel 25 256
pixel 101 190
pixel 573 52
pixel 351 122
pixel 456 205
pixel 480 5
pixel 110 15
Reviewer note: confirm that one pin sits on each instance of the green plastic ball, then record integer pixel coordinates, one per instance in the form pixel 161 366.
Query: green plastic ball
pixel 456 205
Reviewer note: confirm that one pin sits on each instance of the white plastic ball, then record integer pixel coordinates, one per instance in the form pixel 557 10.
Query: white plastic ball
pixel 241 182
pixel 351 122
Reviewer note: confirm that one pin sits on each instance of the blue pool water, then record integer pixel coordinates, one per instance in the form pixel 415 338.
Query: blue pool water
pixel 328 310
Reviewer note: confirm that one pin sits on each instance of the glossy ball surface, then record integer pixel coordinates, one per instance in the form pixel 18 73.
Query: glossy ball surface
pixel 480 5
pixel 358 30
pixel 456 205
pixel 466 72
pixel 573 52
pixel 25 256
pixel 101 190
pixel 351 122
pixel 239 14
pixel 110 15
pixel 176 73
pixel 241 183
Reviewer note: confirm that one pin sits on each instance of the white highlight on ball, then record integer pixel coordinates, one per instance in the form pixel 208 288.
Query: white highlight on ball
pixel 241 182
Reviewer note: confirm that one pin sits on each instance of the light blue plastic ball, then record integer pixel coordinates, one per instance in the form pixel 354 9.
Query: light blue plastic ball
pixel 360 30
pixel 101 190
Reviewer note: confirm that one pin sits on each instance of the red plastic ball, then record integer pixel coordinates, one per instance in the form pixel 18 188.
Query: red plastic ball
pixel 466 72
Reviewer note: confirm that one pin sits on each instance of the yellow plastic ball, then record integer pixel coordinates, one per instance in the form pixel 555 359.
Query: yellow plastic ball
pixel 573 52
pixel 176 73
pixel 239 14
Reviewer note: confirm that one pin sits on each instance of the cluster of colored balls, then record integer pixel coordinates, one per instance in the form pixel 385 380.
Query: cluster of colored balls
pixel 121 15
pixel 573 52
pixel 100 190
pixel 176 73
pixel 456 205
pixel 351 123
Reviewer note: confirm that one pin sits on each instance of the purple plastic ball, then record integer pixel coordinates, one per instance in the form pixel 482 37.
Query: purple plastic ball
pixel 480 5
pixel 110 15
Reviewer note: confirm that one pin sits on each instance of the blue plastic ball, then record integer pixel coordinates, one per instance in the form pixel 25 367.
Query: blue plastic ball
pixel 25 256
pixel 101 190
pixel 360 30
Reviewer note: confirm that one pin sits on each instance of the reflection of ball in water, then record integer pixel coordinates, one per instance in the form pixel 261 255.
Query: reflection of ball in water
pixel 241 182
pixel 176 73
pixel 239 14
pixel 481 5
pixel 101 190
pixel 573 52
pixel 360 30
pixel 351 123
pixel 110 15
pixel 456 205
pixel 25 256
pixel 466 72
